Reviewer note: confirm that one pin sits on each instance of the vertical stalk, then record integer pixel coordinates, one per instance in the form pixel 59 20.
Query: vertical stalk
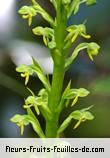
pixel 58 71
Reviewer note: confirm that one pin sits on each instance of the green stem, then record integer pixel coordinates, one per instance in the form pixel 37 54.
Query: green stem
pixel 58 72
pixel 54 98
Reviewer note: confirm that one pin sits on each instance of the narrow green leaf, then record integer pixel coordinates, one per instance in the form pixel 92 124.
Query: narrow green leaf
pixel 75 54
pixel 64 125
pixel 37 69
pixel 35 123
pixel 54 3
pixel 44 14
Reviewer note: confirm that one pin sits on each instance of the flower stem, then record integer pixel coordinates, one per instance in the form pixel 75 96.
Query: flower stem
pixel 58 71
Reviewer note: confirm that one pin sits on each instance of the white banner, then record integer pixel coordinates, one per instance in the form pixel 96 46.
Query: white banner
pixel 54 148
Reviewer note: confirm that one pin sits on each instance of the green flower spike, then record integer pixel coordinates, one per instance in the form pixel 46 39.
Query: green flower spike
pixel 28 12
pixel 93 50
pixel 75 31
pixel 25 71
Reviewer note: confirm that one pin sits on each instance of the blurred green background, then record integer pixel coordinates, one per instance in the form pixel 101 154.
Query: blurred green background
pixel 17 44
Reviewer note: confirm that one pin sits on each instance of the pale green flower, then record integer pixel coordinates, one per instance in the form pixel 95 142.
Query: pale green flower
pixel 25 71
pixel 92 49
pixel 48 35
pixel 75 31
pixel 28 12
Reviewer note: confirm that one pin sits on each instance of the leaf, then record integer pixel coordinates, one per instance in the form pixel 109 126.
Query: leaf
pixel 66 90
pixel 35 123
pixel 63 101
pixel 64 125
pixel 37 69
pixel 75 53
pixel 36 126
pixel 54 3
pixel 43 13
pixel 76 8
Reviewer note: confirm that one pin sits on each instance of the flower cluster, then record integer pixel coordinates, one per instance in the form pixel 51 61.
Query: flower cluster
pixel 59 38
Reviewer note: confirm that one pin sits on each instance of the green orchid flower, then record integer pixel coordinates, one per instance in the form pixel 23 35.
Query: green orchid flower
pixel 21 121
pixel 93 49
pixel 79 115
pixel 31 101
pixel 75 31
pixel 25 71
pixel 28 12
pixel 75 94
pixel 48 35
